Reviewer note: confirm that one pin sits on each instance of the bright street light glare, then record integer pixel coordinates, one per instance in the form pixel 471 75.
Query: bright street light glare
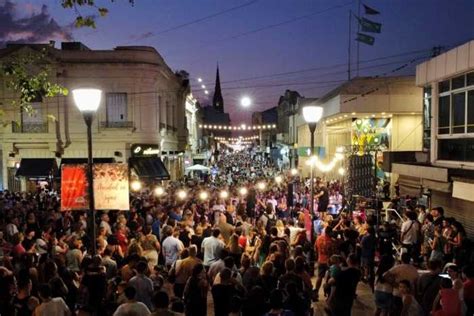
pixel 203 195
pixel 341 171
pixel 206 92
pixel 182 194
pixel 203 86
pixel 261 185
pixel 278 179
pixel 294 172
pixel 136 185
pixel 159 191
pixel 199 80
pixel 243 191
pixel 245 102
pixel 224 194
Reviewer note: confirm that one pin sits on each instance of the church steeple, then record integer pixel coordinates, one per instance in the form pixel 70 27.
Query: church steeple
pixel 218 100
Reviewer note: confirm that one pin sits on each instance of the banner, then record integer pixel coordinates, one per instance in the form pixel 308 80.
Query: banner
pixel 111 186
pixel 74 187
pixel 366 39
pixel 369 26
pixel 370 11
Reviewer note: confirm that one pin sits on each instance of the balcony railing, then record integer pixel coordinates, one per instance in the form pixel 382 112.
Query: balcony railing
pixel 33 128
pixel 122 124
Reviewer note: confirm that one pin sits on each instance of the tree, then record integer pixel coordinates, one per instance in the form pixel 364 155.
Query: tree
pixel 86 21
pixel 27 76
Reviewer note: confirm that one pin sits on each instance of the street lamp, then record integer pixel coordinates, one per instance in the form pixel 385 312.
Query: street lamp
pixel 294 172
pixel 88 101
pixel 312 114
pixel 243 191
pixel 245 102
pixel 224 195
pixel 182 194
pixel 278 179
pixel 261 186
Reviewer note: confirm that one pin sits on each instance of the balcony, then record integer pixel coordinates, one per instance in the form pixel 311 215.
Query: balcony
pixel 122 124
pixel 33 128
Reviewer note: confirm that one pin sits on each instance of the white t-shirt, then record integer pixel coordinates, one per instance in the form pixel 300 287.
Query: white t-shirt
pixel 136 308
pixel 410 232
pixel 55 306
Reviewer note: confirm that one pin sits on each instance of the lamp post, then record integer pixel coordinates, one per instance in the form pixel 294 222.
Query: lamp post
pixel 88 101
pixel 312 114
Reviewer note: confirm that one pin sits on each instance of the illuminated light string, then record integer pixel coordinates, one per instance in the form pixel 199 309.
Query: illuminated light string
pixel 242 127
pixel 240 138
pixel 326 167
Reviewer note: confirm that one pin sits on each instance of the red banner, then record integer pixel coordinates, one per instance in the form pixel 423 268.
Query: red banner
pixel 74 192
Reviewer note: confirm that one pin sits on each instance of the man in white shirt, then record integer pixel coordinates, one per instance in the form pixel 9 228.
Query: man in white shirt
pixel 131 306
pixel 172 247
pixel 211 247
pixel 409 234
pixel 11 228
pixel 50 306
pixel 105 223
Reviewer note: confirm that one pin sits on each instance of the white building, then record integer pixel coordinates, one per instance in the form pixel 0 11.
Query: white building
pixel 142 113
pixel 447 177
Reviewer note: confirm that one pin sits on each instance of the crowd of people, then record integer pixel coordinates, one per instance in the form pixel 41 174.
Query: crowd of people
pixel 230 252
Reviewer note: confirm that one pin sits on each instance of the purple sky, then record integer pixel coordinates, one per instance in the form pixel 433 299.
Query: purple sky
pixel 312 40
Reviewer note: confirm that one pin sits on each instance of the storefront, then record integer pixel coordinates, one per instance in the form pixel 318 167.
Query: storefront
pixel 37 173
pixel 146 164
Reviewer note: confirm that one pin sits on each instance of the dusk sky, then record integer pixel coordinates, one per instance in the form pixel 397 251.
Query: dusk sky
pixel 259 38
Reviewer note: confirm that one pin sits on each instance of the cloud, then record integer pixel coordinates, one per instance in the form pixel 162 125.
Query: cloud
pixel 29 24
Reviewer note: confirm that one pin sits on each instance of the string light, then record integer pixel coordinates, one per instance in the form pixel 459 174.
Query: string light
pixel 242 127
pixel 237 138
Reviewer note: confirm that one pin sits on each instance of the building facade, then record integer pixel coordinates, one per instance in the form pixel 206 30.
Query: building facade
pixel 142 109
pixel 447 176
pixel 380 113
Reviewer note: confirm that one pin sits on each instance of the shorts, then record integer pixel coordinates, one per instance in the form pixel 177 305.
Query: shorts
pixel 322 268
pixel 383 300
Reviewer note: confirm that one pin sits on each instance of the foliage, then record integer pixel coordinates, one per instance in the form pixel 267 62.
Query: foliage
pixel 86 21
pixel 28 77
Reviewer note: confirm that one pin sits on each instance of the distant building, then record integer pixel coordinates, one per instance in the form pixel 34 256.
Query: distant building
pixel 142 114
pixel 379 113
pixel 217 99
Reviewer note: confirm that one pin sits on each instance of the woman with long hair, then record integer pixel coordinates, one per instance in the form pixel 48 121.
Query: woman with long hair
pixel 195 292
pixel 383 288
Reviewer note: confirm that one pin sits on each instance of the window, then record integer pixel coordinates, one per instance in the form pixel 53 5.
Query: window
pixel 458 82
pixel 458 149
pixel 116 108
pixel 443 115
pixel 32 117
pixel 426 118
pixel 443 86
pixel 458 113
pixel 456 119
pixel 32 121
pixel 470 111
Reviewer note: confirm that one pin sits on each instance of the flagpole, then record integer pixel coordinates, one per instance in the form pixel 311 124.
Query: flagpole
pixel 349 48
pixel 358 30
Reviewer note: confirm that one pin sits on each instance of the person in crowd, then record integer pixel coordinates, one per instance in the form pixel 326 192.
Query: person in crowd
pixel 131 305
pixel 410 305
pixel 143 285
pixel 448 301
pixel 468 289
pixel 428 286
pixel 172 247
pixel 344 289
pixel 211 248
pixel 195 292
pixel 49 305
pixel 184 270
pixel 383 289
pixel 161 301
pixel 325 247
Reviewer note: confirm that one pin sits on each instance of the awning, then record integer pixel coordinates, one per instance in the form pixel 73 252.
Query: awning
pixel 149 167
pixel 37 168
pixel 77 161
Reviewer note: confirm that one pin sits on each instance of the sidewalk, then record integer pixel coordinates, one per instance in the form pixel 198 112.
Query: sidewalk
pixel 363 304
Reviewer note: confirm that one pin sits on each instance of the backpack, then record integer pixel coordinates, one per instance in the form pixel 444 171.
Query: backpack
pixel 271 222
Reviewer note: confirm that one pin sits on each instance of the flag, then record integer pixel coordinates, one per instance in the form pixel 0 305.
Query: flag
pixel 366 39
pixel 370 11
pixel 369 26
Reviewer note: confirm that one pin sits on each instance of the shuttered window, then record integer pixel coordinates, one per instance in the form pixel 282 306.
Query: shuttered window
pixel 116 107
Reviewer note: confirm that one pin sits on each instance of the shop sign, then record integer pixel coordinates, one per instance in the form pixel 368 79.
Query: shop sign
pixel 74 192
pixel 111 185
pixel 145 150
